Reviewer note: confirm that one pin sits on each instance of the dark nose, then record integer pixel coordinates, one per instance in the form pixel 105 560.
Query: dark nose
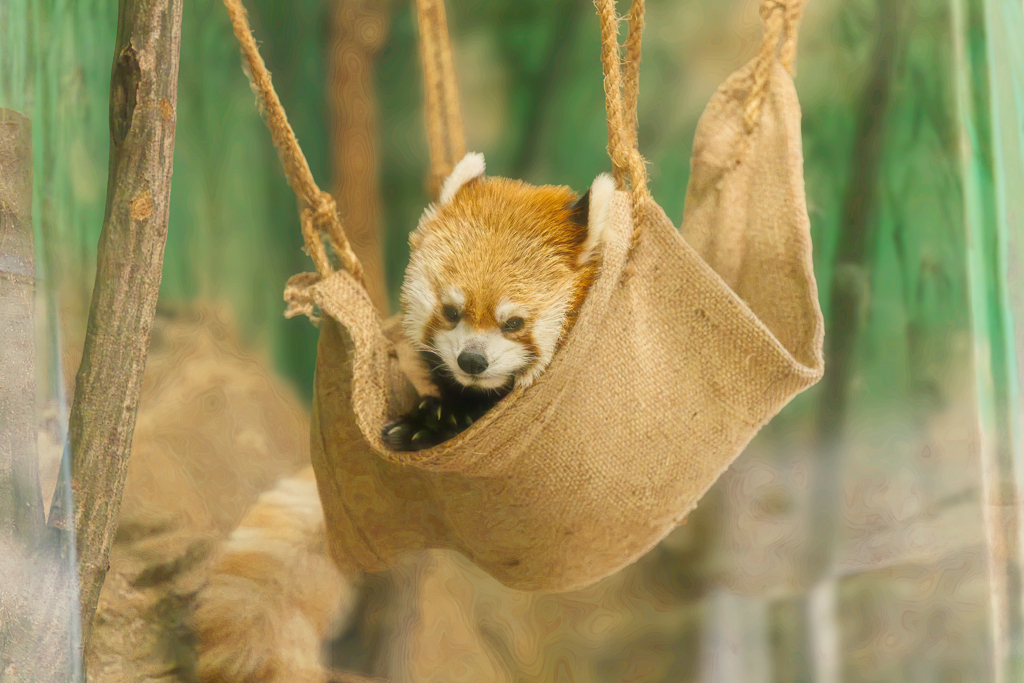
pixel 472 363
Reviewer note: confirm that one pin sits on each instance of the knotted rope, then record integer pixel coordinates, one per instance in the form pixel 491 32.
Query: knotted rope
pixel 319 215
pixel 781 19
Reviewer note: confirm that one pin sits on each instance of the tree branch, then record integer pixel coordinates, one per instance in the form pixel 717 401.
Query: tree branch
pixel 143 97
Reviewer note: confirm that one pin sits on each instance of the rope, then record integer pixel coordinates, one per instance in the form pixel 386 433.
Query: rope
pixel 320 216
pixel 621 93
pixel 445 137
pixel 613 88
pixel 631 79
pixel 781 20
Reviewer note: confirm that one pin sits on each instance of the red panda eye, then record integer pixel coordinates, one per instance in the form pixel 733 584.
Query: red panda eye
pixel 451 314
pixel 513 324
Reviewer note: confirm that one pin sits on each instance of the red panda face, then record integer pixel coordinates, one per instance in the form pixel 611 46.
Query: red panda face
pixel 489 342
pixel 497 273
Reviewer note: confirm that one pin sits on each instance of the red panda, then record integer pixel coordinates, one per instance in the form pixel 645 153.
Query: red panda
pixel 497 274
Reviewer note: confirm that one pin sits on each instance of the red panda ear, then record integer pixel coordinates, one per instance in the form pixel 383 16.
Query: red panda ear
pixel 579 214
pixel 469 169
pixel 598 200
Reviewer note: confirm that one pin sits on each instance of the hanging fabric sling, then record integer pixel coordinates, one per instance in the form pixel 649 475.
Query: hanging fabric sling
pixel 688 343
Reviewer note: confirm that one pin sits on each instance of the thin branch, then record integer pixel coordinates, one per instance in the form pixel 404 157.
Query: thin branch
pixel 143 97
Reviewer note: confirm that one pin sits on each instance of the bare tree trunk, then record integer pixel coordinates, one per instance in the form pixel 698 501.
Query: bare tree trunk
pixel 20 498
pixel 38 640
pixel 359 28
pixel 143 97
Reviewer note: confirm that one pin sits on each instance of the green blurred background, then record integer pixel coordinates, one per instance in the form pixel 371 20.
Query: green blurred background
pixel 877 519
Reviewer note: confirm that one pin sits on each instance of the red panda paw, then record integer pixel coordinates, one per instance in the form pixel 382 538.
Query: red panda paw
pixel 431 423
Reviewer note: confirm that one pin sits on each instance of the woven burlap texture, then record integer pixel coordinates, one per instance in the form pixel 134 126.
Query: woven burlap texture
pixel 682 351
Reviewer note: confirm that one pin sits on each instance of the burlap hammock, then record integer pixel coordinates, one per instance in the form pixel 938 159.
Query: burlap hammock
pixel 686 346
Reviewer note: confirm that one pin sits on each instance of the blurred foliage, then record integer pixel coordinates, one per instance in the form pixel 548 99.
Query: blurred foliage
pixel 533 103
pixel 59 76
pixel 234 232
pixel 531 89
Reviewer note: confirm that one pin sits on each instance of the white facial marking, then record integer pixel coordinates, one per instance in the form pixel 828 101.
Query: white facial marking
pixel 506 309
pixel 453 296
pixel 547 330
pixel 420 302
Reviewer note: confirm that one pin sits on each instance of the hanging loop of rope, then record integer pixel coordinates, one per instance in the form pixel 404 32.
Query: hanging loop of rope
pixel 319 215
pixel 621 90
pixel 780 20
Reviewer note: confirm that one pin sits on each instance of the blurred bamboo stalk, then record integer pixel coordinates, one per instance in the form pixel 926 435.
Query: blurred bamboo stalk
pixel 359 28
pixel 988 63
pixel 143 97
pixel 445 134
pixel 852 269
pixel 735 642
